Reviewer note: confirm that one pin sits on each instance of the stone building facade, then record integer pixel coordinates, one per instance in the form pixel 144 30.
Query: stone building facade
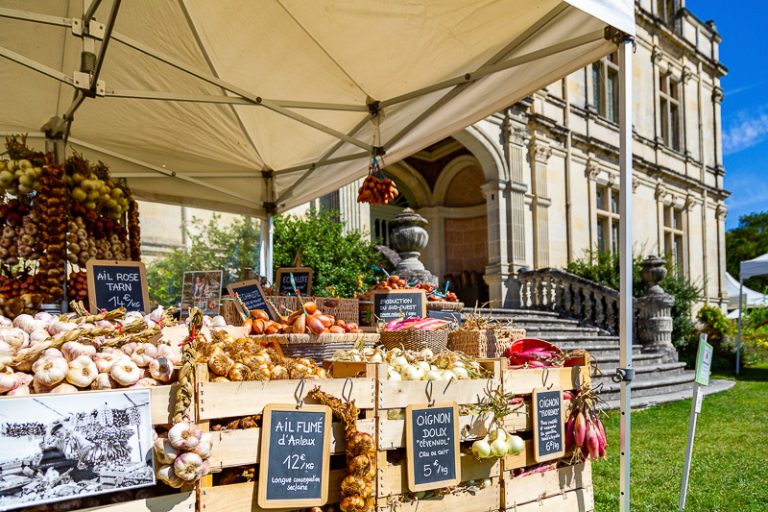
pixel 536 185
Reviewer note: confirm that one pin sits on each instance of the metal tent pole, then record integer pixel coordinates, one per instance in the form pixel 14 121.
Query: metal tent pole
pixel 266 254
pixel 625 261
pixel 738 335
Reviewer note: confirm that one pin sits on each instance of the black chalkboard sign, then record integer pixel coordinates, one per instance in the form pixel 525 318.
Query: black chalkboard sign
pixel 295 458
pixel 453 317
pixel 432 446
pixel 392 304
pixel 548 438
pixel 302 277
pixel 114 284
pixel 253 296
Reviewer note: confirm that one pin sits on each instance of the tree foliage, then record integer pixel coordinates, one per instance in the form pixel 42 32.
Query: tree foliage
pixel 342 262
pixel 233 248
pixel 748 240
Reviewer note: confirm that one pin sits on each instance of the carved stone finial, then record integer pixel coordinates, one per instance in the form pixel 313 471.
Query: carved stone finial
pixel 654 328
pixel 409 237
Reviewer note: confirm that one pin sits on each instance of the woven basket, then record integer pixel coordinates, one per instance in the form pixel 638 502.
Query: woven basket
pixel 443 305
pixel 229 312
pixel 320 347
pixel 436 341
pixel 341 309
pixel 483 343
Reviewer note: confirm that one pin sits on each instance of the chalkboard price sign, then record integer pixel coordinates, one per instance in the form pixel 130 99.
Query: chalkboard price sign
pixel 302 278
pixel 114 284
pixel 432 446
pixel 295 445
pixel 392 304
pixel 548 438
pixel 252 295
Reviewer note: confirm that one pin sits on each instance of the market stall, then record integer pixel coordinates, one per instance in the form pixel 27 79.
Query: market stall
pixel 340 108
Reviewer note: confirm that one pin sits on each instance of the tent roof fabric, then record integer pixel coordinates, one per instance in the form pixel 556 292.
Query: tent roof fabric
pixel 752 297
pixel 257 107
pixel 754 267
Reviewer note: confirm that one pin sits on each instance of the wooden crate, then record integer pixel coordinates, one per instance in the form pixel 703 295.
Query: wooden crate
pixel 233 448
pixel 394 395
pixel 568 489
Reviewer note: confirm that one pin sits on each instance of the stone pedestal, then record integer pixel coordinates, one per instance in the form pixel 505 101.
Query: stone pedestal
pixel 654 325
pixel 409 238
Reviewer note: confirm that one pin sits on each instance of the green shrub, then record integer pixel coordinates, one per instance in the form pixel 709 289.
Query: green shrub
pixel 720 332
pixel 342 262
pixel 754 336
pixel 603 268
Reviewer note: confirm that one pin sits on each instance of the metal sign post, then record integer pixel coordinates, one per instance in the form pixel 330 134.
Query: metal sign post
pixel 703 367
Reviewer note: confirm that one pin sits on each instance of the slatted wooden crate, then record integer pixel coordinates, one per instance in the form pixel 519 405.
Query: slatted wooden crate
pixel 568 489
pixel 234 448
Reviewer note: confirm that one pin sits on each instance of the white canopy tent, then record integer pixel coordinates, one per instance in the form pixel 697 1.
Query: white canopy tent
pixel 257 107
pixel 749 268
pixel 751 298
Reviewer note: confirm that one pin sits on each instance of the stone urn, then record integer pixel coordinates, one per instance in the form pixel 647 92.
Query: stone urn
pixel 654 269
pixel 409 237
pixel 654 328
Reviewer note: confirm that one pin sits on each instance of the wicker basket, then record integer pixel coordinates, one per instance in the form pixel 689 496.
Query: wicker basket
pixel 436 341
pixel 341 309
pixel 483 343
pixel 320 347
pixel 443 305
pixel 230 312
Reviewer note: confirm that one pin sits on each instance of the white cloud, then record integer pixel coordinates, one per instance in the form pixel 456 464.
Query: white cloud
pixel 746 131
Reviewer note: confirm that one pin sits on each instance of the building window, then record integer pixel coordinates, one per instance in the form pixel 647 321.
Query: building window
pixel 669 95
pixel 607 209
pixel 674 237
pixel 605 81
pixel 666 10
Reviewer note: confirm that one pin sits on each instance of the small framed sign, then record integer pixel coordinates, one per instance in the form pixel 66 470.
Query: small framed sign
pixel 201 289
pixel 548 431
pixel 392 304
pixel 113 284
pixel 703 362
pixel 302 279
pixel 253 296
pixel 432 446
pixel 295 456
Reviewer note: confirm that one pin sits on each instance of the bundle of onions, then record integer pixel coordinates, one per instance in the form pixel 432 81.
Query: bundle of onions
pixel 357 486
pixel 584 432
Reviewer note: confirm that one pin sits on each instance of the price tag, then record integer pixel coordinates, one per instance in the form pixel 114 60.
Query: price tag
pixel 548 438
pixel 295 456
pixel 432 446
pixel 114 284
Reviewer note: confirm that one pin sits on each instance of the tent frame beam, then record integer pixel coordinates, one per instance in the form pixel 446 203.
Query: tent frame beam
pixel 45 19
pixel 36 66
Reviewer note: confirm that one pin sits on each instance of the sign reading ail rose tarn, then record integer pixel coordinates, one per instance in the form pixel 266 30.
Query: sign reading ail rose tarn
pixel 61 447
pixel 114 284
pixel 392 304
pixel 432 446
pixel 548 438
pixel 295 456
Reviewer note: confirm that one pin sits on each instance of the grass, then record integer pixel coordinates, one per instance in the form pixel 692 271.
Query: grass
pixel 729 471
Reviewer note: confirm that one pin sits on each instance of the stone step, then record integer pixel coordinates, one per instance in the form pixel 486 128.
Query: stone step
pixel 598 349
pixel 545 320
pixel 546 331
pixel 645 373
pixel 559 339
pixel 608 362
pixel 502 313
pixel 649 386
pixel 715 386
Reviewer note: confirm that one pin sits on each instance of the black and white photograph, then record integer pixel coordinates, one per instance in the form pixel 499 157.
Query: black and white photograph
pixel 54 448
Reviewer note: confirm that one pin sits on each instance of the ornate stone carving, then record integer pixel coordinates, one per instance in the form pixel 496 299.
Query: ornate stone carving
pixel 717 95
pixel 409 238
pixel 593 170
pixel 720 211
pixel 635 184
pixel 660 192
pixel 656 55
pixel 687 75
pixel 541 152
pixel 654 328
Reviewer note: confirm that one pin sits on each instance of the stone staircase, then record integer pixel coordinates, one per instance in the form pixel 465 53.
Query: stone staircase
pixel 656 381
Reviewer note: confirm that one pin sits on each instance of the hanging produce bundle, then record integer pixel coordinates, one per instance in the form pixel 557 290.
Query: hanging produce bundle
pixel 584 432
pixel 51 205
pixel 357 491
pixel 377 188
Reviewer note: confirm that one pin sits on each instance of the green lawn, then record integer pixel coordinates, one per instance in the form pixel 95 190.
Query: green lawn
pixel 730 461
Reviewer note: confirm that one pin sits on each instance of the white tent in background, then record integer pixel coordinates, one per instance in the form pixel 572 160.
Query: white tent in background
pixel 749 268
pixel 752 298
pixel 256 107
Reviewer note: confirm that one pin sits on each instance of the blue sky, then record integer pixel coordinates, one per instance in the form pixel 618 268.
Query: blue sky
pixel 745 106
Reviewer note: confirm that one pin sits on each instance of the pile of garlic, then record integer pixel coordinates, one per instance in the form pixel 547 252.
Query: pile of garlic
pixel 421 365
pixel 182 454
pixel 87 363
